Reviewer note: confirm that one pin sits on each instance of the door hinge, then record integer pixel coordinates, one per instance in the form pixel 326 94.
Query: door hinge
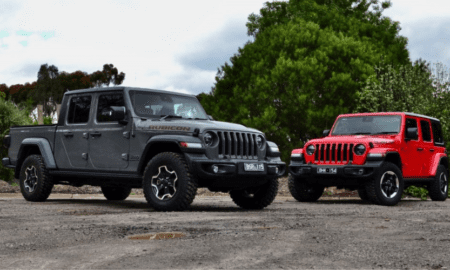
pixel 125 157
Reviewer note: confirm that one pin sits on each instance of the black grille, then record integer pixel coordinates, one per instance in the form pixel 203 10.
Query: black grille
pixel 334 153
pixel 237 145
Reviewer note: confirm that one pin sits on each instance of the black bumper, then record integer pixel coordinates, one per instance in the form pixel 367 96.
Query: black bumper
pixel 7 163
pixel 233 169
pixel 344 174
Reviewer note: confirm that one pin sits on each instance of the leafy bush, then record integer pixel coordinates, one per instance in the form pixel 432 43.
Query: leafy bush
pixel 10 115
pixel 418 192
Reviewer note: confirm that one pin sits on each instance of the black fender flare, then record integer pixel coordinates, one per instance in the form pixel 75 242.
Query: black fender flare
pixel 172 139
pixel 44 148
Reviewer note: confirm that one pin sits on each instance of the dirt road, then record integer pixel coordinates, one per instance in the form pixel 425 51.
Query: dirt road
pixel 86 231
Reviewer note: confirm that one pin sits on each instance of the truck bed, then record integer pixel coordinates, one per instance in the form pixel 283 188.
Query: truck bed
pixel 19 133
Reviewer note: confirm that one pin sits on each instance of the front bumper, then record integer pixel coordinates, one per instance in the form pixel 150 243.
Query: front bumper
pixel 202 167
pixel 345 174
pixel 7 163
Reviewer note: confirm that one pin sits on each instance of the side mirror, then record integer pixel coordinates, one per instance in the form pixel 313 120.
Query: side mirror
pixel 210 117
pixel 117 113
pixel 411 134
pixel 326 132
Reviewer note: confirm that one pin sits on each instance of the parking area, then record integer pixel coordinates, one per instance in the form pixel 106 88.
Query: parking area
pixel 87 231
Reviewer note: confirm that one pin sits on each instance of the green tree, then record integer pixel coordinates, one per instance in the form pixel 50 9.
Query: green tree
pixel 407 88
pixel 108 75
pixel 305 66
pixel 10 115
pixel 48 90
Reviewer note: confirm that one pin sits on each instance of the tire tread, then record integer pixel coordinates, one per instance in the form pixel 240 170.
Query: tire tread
pixel 189 195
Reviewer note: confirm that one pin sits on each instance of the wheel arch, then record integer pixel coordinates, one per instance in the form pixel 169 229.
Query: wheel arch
pixel 154 148
pixel 35 146
pixel 394 157
pixel 164 143
pixel 444 161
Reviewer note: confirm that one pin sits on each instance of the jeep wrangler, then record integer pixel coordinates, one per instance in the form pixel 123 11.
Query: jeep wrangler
pixel 378 154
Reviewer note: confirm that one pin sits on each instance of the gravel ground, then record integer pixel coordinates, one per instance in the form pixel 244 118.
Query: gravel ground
pixel 283 190
pixel 87 231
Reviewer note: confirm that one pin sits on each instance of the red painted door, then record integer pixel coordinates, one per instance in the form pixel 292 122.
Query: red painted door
pixel 427 146
pixel 411 152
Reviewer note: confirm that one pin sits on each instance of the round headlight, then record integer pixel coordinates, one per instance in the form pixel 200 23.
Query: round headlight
pixel 310 149
pixel 360 149
pixel 208 138
pixel 259 141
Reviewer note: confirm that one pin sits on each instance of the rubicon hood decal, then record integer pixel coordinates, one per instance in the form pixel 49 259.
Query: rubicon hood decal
pixel 178 128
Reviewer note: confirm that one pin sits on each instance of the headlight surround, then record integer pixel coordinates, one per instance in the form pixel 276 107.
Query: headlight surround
pixel 208 138
pixel 359 149
pixel 260 141
pixel 310 149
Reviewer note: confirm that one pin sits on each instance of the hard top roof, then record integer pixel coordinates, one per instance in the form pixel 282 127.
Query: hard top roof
pixel 392 113
pixel 113 88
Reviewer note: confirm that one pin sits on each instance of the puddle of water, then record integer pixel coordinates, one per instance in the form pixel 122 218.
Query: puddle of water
pixel 157 236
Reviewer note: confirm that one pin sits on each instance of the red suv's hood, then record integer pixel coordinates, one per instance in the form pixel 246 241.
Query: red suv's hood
pixel 378 139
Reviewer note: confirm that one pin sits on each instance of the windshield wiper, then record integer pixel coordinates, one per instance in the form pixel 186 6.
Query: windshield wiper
pixel 360 133
pixel 168 116
pixel 384 132
pixel 196 118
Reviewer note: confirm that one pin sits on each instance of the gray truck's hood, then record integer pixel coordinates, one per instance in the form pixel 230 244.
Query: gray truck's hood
pixel 190 125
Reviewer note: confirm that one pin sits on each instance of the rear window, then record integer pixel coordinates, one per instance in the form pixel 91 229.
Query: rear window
pixel 437 133
pixel 426 133
pixel 79 108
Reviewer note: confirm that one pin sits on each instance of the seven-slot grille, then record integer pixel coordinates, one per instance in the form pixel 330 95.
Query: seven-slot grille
pixel 237 145
pixel 336 153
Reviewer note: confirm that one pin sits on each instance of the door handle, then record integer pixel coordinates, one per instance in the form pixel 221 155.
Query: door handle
pixel 419 149
pixel 68 134
pixel 431 150
pixel 96 134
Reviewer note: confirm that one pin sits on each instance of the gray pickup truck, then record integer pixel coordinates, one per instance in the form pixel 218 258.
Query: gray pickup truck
pixel 121 138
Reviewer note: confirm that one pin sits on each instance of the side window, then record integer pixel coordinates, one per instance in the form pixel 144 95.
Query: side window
pixel 79 108
pixel 425 127
pixel 411 123
pixel 437 133
pixel 106 101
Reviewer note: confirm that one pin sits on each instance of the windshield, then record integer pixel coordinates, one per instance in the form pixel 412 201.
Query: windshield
pixel 158 105
pixel 370 125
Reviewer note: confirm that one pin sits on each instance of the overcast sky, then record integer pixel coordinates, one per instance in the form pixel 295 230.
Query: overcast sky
pixel 171 45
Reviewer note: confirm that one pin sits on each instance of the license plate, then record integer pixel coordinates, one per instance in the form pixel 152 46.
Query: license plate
pixel 253 167
pixel 327 170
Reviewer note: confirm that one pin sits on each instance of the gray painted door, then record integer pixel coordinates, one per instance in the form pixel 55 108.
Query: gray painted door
pixel 109 141
pixel 72 140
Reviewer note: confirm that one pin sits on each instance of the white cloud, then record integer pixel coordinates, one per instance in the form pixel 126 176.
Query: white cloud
pixel 427 27
pixel 144 39
pixel 175 45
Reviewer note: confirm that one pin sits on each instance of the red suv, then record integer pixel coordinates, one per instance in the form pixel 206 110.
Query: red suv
pixel 378 154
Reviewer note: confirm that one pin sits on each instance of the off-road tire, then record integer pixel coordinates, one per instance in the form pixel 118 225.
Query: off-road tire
pixel 363 194
pixel 44 181
pixel 257 197
pixel 186 184
pixel 116 193
pixel 438 188
pixel 373 186
pixel 304 192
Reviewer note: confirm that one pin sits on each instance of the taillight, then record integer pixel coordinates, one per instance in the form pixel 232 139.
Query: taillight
pixel 7 141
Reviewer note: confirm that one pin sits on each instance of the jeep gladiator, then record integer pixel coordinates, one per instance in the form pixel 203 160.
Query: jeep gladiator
pixel 121 138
